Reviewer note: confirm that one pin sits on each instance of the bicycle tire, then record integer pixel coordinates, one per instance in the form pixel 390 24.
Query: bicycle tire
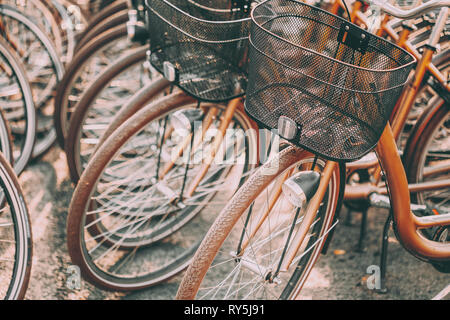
pixel 431 120
pixel 422 131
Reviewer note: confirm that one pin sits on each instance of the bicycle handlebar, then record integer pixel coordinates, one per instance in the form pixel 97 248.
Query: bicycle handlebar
pixel 411 13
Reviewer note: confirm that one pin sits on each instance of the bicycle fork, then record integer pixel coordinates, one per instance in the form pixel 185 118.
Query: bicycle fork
pixel 190 144
pixel 300 188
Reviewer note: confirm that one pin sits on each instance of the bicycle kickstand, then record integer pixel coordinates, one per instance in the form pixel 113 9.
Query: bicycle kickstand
pixel 384 253
pixel 362 231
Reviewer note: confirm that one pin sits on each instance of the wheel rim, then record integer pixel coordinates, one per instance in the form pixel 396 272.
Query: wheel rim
pixel 250 277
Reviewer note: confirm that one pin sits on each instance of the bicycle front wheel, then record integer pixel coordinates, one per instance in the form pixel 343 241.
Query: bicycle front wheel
pixel 86 65
pixel 132 221
pixel 43 68
pixel 18 106
pixel 98 106
pixel 15 236
pixel 243 254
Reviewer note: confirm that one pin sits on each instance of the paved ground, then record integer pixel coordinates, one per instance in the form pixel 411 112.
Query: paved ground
pixel 340 274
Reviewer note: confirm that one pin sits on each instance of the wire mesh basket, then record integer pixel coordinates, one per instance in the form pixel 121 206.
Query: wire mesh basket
pixel 322 82
pixel 201 45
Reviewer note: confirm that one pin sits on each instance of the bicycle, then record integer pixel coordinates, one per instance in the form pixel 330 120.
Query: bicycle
pixel 410 120
pixel 246 245
pixel 429 88
pixel 87 139
pixel 91 60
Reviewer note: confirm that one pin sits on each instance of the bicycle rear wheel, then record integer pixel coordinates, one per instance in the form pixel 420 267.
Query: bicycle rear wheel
pixel 430 161
pixel 427 152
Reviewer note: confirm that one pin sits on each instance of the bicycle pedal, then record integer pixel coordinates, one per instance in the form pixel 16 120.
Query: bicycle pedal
pixel 301 187
pixel 379 201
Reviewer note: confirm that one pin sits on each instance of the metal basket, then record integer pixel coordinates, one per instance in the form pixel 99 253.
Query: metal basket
pixel 324 83
pixel 201 45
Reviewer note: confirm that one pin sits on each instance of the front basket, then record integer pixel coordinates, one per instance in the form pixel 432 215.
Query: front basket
pixel 201 45
pixel 324 83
